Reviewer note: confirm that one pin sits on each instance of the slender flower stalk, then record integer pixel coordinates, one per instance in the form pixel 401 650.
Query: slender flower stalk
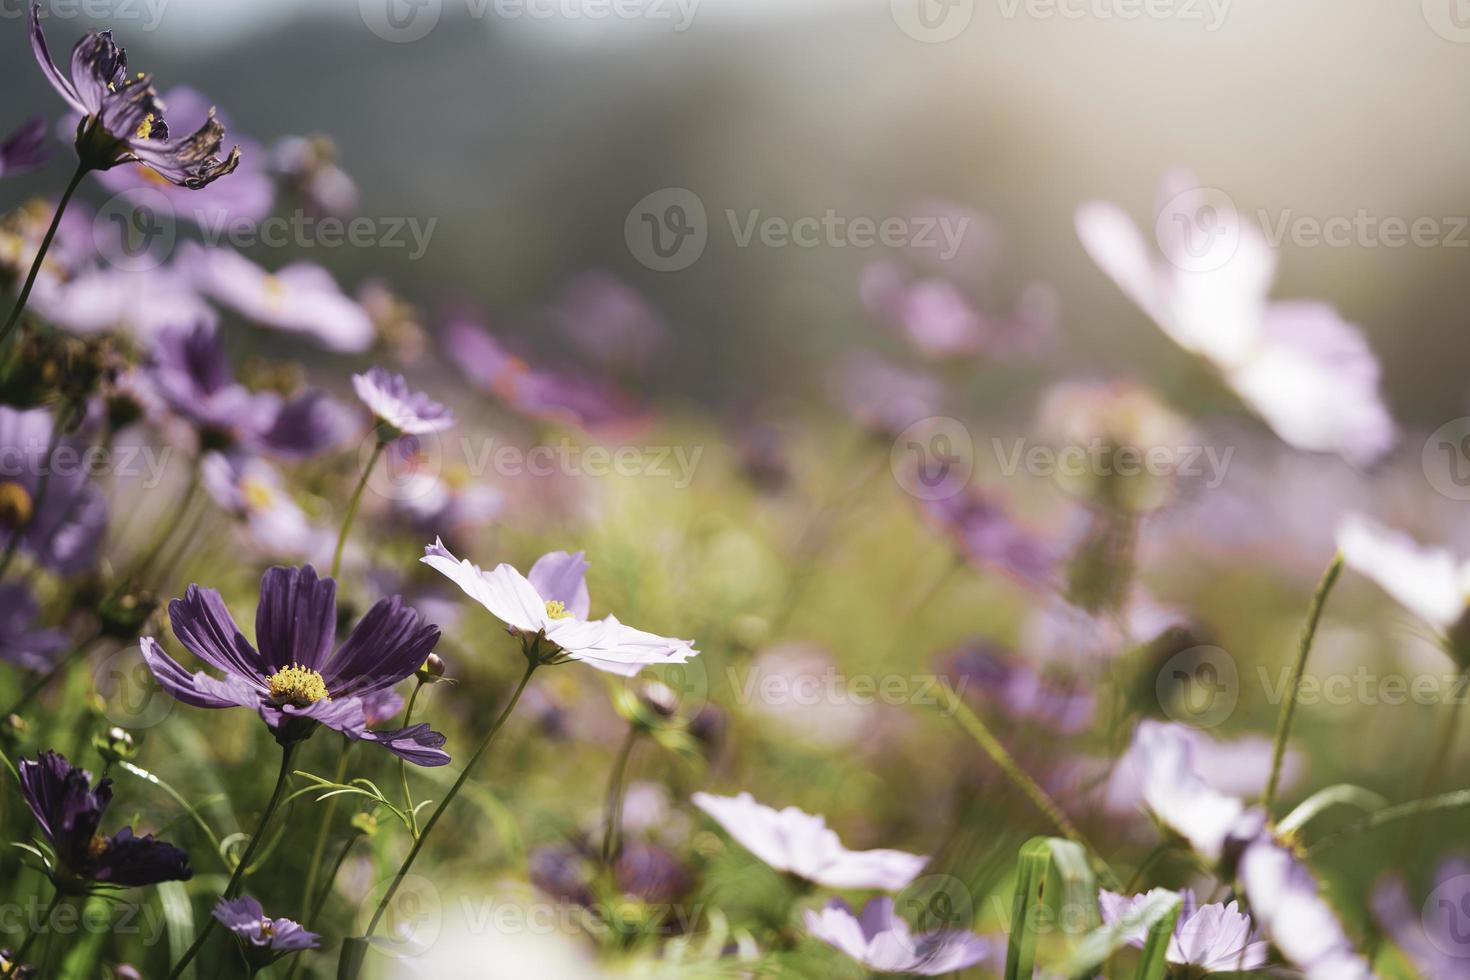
pixel 232 886
pixel 1304 649
pixel 998 754
pixel 352 505
pixel 25 294
pixel 613 811
pixel 408 807
pixel 43 915
pixel 323 832
pixel 464 776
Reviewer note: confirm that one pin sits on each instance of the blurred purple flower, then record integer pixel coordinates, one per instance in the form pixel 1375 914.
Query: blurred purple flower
pixel 60 530
pixel 1432 937
pixel 193 376
pixel 393 405
pixel 884 943
pixel 1215 938
pixel 25 149
pixel 651 874
pixel 551 606
pixel 22 642
pixel 541 395
pixel 302 298
pixel 561 871
pixel 267 939
pixel 295 681
pixel 247 196
pixel 273 525
pixel 1299 365
pixel 143 303
pixel 803 845
pixel 883 397
pixel 609 321
pixel 987 536
pixel 70 812
pixel 380 707
pixel 122 116
pixel 307 166
pixel 447 500
pixel 984 670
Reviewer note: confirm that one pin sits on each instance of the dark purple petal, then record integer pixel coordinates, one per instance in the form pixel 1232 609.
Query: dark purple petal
pixel 192 161
pixel 199 689
pixel 135 861
pixel 296 620
pixel 417 744
pixel 98 68
pixel 64 804
pixel 21 641
pixel 306 425
pixel 391 642
pixel 25 149
pixel 203 624
pixel 53 75
pixel 380 706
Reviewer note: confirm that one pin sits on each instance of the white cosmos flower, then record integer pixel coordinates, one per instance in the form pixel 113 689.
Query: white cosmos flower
pixel 884 943
pixel 801 844
pixel 1299 365
pixel 553 600
pixel 1429 582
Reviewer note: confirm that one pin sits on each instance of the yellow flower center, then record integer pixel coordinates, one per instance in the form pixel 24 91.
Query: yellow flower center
pixel 15 505
pixel 258 496
pixel 298 685
pixel 557 609
pixel 267 928
pixel 275 292
pixel 96 847
pixel 145 128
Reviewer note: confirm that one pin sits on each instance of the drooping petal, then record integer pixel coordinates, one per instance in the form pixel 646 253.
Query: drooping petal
pixel 417 744
pixel 296 620
pixel 131 861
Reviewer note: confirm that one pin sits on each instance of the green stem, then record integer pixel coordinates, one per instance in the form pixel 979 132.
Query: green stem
pixel 323 832
pixel 464 775
pixel 352 507
pixel 58 426
pixel 287 751
pixel 613 809
pixel 25 293
pixel 1393 814
pixel 998 754
pixel 25 948
pixel 413 818
pixel 1304 649
pixel 326 892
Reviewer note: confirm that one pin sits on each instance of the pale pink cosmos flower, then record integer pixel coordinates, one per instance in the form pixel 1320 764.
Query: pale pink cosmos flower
pixel 1214 938
pixel 553 603
pixel 803 845
pixel 1299 365
pixel 1429 582
pixel 884 943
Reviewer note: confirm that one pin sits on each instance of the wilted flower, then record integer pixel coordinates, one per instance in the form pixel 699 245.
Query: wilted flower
pixel 295 680
pixel 1429 582
pixel 1213 938
pixel 984 670
pixel 70 812
pixel 24 149
pixel 549 608
pixel 122 116
pixel 1434 938
pixel 22 642
pixel 245 917
pixel 193 376
pixel 247 196
pixel 1304 369
pixel 803 845
pixel 302 298
pixel 884 943
pixel 398 410
pixel 61 528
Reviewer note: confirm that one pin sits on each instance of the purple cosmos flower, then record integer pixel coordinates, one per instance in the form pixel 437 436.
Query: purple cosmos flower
pixel 1429 582
pixel 272 524
pixel 22 642
pixel 883 397
pixel 59 530
pixel 307 166
pixel 393 405
pixel 551 606
pixel 1299 365
pixel 266 939
pixel 247 196
pixel 884 943
pixel 1432 936
pixel 651 874
pixel 1214 938
pixel 193 376
pixel 609 321
pixel 988 537
pixel 1018 689
pixel 122 116
pixel 446 498
pixel 295 680
pixel 25 149
pixel 70 811
pixel 803 845
pixel 541 395
pixel 302 298
pixel 143 303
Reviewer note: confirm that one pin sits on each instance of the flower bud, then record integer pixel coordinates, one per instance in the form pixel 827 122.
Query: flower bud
pixel 115 744
pixel 432 670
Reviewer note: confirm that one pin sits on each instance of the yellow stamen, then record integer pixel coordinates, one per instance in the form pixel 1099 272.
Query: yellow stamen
pixel 557 609
pixel 298 685
pixel 258 496
pixel 145 128
pixel 15 505
pixel 96 847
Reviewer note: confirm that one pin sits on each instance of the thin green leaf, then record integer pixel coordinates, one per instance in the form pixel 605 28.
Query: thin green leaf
pixel 1343 794
pixel 1054 884
pixel 178 915
pixel 189 808
pixel 1103 942
pixel 1154 963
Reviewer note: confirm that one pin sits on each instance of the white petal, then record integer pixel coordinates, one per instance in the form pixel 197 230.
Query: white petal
pixel 505 592
pixel 1426 581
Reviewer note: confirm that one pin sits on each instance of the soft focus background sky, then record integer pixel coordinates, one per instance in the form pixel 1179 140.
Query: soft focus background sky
pixel 529 139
